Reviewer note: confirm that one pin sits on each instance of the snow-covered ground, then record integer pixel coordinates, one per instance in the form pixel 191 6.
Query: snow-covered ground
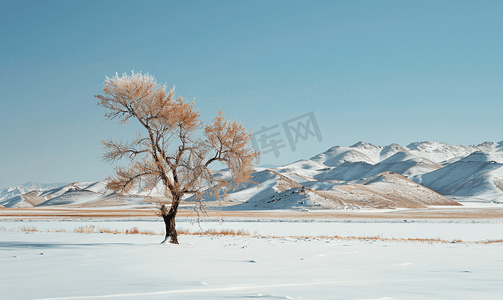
pixel 50 265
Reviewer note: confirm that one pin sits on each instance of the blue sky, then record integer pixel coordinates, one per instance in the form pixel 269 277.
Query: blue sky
pixel 375 71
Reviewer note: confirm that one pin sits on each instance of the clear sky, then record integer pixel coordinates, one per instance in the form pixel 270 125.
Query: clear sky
pixel 381 72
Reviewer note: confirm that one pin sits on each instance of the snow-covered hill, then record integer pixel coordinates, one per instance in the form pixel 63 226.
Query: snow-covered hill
pixel 83 194
pixel 385 190
pixel 463 172
pixel 19 190
pixel 359 152
pixel 477 175
pixel 360 176
pixel 440 153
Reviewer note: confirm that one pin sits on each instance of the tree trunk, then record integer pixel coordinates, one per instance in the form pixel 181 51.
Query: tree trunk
pixel 169 221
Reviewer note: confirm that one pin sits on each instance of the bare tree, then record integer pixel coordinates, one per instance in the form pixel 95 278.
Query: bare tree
pixel 166 150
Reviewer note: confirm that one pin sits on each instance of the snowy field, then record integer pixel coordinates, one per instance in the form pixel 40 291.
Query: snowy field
pixel 66 265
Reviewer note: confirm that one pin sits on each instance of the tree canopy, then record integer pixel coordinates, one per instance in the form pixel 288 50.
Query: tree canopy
pixel 166 149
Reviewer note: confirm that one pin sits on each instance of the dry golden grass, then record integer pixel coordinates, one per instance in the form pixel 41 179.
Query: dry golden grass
pixel 489 242
pixel 85 229
pixel 29 229
pixel 431 212
pixel 422 213
pixel 213 232
pixel 97 229
pixel 241 232
pixel 70 212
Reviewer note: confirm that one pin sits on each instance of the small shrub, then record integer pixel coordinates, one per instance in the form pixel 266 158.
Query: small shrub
pixel 28 229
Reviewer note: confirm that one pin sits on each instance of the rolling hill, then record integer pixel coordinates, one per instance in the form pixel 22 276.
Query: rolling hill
pixel 356 177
